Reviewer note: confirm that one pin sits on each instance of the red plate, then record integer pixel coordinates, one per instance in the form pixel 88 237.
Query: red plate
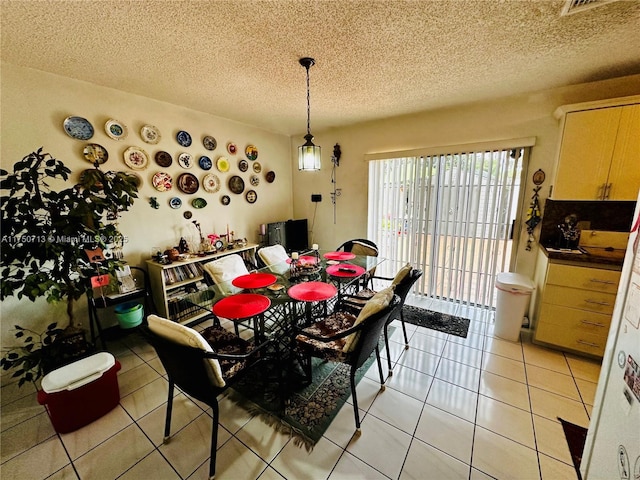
pixel 345 270
pixel 339 255
pixel 313 291
pixel 242 305
pixel 254 280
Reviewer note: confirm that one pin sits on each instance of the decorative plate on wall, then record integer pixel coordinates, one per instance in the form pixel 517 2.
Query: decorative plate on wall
pixel 78 127
pixel 222 164
pixel 162 181
pixel 211 183
pixel 251 151
pixel 188 183
pixel 95 153
pixel 270 176
pixel 257 168
pixel 150 134
pixel 251 196
pixel 183 138
pixel 185 160
pixel 199 203
pixel 187 214
pixel 236 184
pixel 254 180
pixel 115 129
pixel 163 159
pixel 231 148
pixel 175 202
pixel 136 158
pixel 243 165
pixel 225 200
pixel 205 162
pixel 209 142
pixel 136 178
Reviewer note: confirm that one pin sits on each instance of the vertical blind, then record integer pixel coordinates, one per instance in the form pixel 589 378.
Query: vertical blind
pixel 452 215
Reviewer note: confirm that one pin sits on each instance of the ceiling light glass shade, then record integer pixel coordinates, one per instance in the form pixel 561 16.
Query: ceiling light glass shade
pixel 309 155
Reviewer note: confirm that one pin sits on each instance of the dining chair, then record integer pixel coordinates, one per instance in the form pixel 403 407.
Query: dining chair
pixel 361 246
pixel 222 271
pixel 202 365
pixel 342 337
pixel 275 257
pixel 403 282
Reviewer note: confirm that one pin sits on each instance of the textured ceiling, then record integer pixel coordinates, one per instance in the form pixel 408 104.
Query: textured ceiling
pixel 374 59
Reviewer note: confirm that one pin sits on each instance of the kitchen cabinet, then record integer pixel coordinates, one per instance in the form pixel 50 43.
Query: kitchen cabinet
pixel 599 155
pixel 169 283
pixel 576 307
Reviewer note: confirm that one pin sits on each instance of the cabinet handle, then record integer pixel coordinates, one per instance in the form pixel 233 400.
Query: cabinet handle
pixel 595 302
pixel 595 324
pixel 606 282
pixel 588 344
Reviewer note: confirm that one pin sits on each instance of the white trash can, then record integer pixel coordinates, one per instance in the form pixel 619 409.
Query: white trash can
pixel 514 294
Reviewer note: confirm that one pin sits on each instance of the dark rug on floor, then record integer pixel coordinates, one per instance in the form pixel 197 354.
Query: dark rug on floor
pixel 309 409
pixel 576 436
pixel 436 321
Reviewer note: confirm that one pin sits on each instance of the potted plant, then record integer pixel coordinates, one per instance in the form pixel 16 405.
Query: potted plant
pixel 48 237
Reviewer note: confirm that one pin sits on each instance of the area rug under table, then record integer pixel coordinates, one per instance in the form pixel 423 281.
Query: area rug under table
pixel 441 322
pixel 309 409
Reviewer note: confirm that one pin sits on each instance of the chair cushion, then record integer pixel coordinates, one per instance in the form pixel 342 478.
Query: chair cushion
pixel 359 248
pixel 377 303
pixel 402 274
pixel 228 343
pixel 225 269
pixel 188 337
pixel 275 257
pixel 331 325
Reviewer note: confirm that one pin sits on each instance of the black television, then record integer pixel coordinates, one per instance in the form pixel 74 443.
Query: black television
pixel 292 235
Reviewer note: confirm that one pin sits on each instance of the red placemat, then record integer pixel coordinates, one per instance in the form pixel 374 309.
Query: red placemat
pixel 306 260
pixel 345 270
pixel 339 255
pixel 313 291
pixel 242 305
pixel 254 280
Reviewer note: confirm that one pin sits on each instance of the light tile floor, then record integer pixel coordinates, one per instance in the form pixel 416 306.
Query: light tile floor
pixel 474 408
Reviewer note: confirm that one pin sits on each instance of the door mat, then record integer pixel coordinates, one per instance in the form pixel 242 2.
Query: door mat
pixel 576 436
pixel 441 322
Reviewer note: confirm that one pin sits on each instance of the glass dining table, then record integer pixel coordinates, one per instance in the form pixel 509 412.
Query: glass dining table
pixel 297 294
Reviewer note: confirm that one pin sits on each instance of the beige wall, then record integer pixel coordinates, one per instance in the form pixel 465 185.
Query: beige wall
pixel 34 106
pixel 515 117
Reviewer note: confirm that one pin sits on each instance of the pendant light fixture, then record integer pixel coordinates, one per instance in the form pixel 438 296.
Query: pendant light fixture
pixel 308 154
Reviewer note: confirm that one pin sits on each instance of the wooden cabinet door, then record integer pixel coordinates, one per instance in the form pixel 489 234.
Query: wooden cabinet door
pixel 588 142
pixel 624 174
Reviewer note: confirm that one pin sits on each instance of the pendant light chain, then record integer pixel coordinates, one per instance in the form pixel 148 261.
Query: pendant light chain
pixel 308 103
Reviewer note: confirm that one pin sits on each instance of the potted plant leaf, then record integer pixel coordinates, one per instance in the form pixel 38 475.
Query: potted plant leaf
pixel 46 233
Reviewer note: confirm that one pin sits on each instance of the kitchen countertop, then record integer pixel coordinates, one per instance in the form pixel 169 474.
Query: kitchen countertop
pixel 595 256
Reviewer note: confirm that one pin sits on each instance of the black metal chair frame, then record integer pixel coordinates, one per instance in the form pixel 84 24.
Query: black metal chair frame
pixel 370 330
pixel 348 247
pixel 186 369
pixel 402 289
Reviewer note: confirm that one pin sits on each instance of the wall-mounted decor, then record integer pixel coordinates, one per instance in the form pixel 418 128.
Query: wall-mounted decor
pixel 251 196
pixel 209 142
pixel 116 130
pixel 205 162
pixel 211 183
pixel 175 202
pixel 187 214
pixel 136 158
pixel 150 134
pixel 96 154
pixel 243 165
pixel 78 128
pixel 162 181
pixel 270 176
pixel 236 184
pixel 257 168
pixel 163 159
pixel 225 199
pixel 185 160
pixel 199 203
pixel 251 151
pixel 188 183
pixel 222 164
pixel 231 148
pixel 136 178
pixel 183 138
pixel 254 180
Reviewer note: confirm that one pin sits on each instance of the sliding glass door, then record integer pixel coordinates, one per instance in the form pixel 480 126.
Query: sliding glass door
pixel 451 215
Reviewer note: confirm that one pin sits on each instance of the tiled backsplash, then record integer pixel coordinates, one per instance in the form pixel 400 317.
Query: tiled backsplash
pixel 614 216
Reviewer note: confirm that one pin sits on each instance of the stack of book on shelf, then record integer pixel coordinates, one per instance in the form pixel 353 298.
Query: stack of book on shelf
pixel 181 309
pixel 182 273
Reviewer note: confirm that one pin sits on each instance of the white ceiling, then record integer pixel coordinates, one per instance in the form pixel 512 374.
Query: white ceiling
pixel 238 59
